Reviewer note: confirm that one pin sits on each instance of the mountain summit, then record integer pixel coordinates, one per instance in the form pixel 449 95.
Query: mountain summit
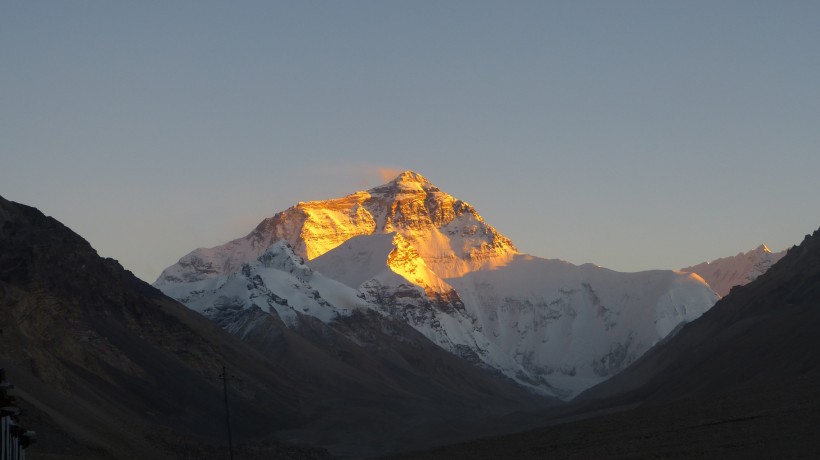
pixel 410 180
pixel 447 233
pixel 415 254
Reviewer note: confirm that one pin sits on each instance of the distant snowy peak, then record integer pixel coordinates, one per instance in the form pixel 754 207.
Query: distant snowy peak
pixel 725 273
pixel 448 234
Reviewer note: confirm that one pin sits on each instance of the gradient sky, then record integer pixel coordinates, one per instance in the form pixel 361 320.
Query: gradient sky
pixel 631 134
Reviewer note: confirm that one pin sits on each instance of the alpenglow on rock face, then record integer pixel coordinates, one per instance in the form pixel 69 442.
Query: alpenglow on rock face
pixel 411 252
pixel 448 233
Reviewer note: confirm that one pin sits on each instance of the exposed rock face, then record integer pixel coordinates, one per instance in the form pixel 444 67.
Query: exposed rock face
pixel 725 273
pixel 448 234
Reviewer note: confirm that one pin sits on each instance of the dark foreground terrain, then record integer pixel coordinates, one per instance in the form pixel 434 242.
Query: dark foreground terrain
pixel 765 425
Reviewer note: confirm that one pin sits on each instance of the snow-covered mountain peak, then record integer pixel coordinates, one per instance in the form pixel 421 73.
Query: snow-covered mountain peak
pixel 407 184
pixel 410 252
pixel 410 177
pixel 447 233
pixel 725 273
pixel 410 180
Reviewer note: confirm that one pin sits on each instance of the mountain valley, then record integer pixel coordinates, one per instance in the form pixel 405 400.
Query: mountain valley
pixel 390 320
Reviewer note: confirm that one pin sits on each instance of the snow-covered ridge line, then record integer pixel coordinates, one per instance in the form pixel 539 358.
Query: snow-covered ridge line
pixel 725 273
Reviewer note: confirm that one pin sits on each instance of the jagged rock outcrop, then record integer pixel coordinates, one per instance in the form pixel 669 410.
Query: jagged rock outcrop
pixel 448 234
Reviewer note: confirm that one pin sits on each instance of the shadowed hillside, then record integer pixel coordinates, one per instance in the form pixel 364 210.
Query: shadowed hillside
pixel 111 368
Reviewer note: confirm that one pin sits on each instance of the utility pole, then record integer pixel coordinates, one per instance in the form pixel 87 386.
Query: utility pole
pixel 224 377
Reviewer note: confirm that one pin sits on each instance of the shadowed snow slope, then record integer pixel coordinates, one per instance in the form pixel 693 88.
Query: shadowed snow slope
pixel 411 252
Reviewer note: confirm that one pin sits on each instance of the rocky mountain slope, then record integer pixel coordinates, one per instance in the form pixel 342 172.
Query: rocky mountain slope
pixel 741 381
pixel 725 273
pixel 109 367
pixel 411 253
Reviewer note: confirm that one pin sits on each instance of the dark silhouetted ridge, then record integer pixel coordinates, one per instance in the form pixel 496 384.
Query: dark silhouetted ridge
pixel 109 367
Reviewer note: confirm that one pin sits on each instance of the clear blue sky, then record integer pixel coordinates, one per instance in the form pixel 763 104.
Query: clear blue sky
pixel 631 134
